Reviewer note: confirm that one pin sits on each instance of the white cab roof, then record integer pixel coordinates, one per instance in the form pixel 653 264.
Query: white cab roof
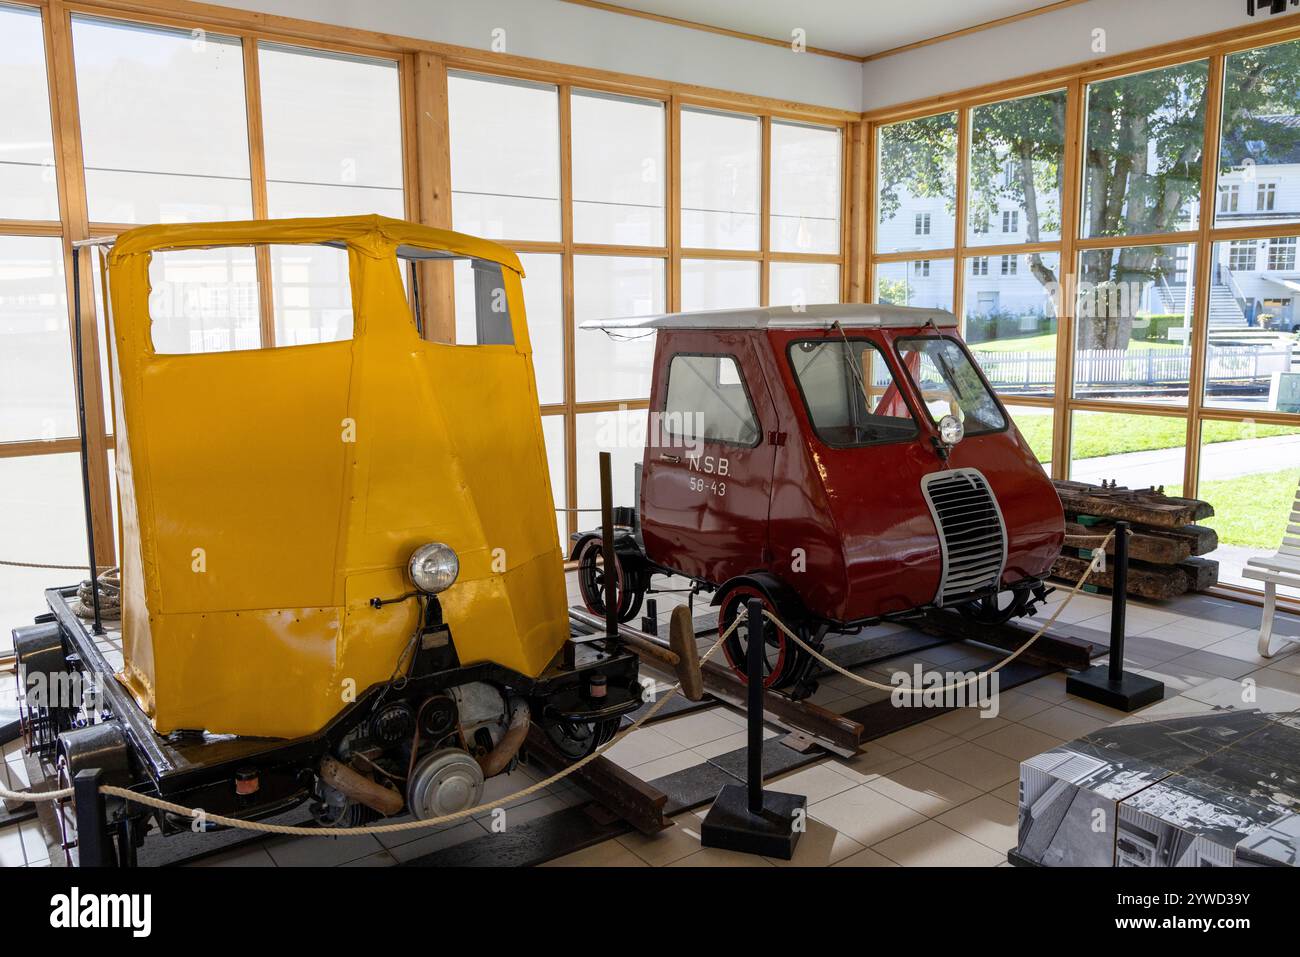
pixel 849 315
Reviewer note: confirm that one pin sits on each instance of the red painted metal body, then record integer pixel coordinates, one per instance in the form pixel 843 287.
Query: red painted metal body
pixel 848 529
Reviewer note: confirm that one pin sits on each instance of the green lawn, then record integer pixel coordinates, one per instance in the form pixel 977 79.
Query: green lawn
pixel 1250 510
pixel 1112 433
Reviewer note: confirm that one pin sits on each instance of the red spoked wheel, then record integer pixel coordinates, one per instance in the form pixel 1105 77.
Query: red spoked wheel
pixel 628 587
pixel 782 658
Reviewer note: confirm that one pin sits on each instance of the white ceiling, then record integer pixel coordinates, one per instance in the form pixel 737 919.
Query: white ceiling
pixel 857 27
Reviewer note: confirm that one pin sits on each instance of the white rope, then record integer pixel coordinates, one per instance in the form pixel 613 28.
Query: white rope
pixel 960 684
pixel 298 831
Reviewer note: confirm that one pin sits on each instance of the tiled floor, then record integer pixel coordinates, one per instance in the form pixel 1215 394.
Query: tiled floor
pixel 938 793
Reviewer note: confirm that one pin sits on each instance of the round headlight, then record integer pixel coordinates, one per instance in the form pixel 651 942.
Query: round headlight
pixel 951 430
pixel 434 567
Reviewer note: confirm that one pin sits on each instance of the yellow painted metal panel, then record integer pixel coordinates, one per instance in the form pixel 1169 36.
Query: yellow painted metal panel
pixel 306 476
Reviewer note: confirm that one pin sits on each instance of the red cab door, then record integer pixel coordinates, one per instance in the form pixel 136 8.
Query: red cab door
pixel 707 476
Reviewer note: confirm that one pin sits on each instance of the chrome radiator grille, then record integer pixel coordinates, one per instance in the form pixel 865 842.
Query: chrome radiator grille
pixel 972 535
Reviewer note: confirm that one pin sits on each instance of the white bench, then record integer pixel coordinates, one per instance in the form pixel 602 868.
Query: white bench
pixel 1282 568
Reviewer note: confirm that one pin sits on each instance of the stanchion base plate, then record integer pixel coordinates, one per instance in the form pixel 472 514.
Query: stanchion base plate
pixel 1128 694
pixel 730 824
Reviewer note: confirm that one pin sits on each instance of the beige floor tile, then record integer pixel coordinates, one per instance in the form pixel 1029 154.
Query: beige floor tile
pixel 606 854
pixel 660 767
pixel 1049 688
pixel 34 846
pixel 987 819
pixel 1019 742
pixel 1064 723
pixel 430 843
pixel 933 845
pixel 820 846
pixel 1092 709
pixel 1185 634
pixel 872 762
pixel 659 850
pixel 867 858
pixel 698 728
pixel 377 859
pixel 957 721
pixel 1009 792
pixel 917 741
pixel 864 815
pixel 986 726
pixel 252 855
pixel 1015 705
pixel 975 765
pixel 923 789
pixel 717 857
pixel 321 851
pixel 642 745
pixel 816 782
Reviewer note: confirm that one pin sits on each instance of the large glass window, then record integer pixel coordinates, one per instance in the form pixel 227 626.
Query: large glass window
pixel 949 384
pixel 1260 143
pixel 618 170
pixel 612 364
pixel 311 294
pixel 721 157
pixel 36 396
pixel 1035 423
pixel 719 283
pixel 505 157
pixel 916 174
pixel 1017 170
pixel 1145 136
pixel 27 185
pixel 926 283
pixel 1134 320
pixel 1134 451
pixel 620 433
pixel 806 163
pixel 164 130
pixel 707 401
pixel 1011 320
pixel 803 284
pixel 543 301
pixel 1251 344
pixel 850 392
pixel 333 133
pixel 1249 472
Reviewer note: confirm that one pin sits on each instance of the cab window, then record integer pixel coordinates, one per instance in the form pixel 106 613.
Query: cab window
pixel 850 392
pixel 949 383
pixel 482 312
pixel 707 401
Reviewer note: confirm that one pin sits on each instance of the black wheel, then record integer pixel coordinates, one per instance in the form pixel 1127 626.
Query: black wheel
pixel 629 583
pixel 997 609
pixel 783 660
pixel 577 739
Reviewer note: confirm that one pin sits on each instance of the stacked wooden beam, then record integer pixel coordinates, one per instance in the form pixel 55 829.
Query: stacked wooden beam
pixel 1164 548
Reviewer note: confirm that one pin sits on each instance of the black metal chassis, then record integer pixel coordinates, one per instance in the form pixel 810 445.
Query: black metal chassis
pixel 197 770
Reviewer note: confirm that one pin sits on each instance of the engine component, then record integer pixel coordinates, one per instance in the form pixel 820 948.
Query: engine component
pixel 437 717
pixel 101 746
pixel 393 724
pixel 444 782
pixel 499 758
pixel 480 707
pixel 359 788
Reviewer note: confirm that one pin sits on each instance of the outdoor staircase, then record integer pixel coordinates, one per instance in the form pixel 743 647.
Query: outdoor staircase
pixel 1225 310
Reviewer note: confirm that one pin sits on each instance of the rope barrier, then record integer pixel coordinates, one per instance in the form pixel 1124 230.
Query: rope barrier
pixel 961 684
pixel 63 568
pixel 300 831
pixel 126 794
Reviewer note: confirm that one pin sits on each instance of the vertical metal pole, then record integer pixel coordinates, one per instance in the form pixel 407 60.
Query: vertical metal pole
pixel 94 847
pixel 81 419
pixel 1118 602
pixel 607 546
pixel 754 662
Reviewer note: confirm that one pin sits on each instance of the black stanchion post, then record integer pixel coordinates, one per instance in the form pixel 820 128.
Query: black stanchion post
pixel 612 597
pixel 94 846
pixel 1110 684
pixel 748 818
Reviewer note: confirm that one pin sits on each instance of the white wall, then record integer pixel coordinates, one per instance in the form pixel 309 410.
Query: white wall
pixel 1050 40
pixel 584 36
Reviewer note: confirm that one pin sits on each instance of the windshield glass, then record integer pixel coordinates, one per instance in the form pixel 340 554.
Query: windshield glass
pixel 851 395
pixel 949 383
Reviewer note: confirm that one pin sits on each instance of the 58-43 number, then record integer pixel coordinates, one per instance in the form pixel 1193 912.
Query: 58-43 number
pixel 710 486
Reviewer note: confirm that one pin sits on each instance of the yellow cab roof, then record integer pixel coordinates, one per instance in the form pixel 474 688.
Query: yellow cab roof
pixel 371 234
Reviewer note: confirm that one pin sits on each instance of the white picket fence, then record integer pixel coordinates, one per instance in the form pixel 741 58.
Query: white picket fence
pixel 1011 371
